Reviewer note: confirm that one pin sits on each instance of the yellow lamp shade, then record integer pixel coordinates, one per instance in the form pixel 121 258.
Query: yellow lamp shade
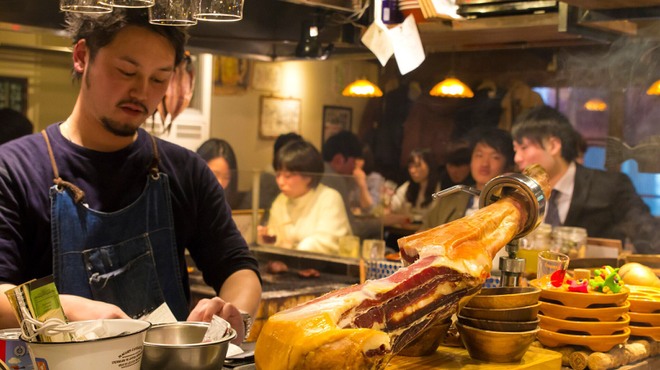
pixel 451 88
pixel 654 89
pixel 362 89
pixel 595 105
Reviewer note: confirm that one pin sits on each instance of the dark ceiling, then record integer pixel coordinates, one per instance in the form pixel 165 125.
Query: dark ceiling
pixel 270 29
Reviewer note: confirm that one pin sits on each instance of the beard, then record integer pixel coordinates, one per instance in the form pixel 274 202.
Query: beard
pixel 117 128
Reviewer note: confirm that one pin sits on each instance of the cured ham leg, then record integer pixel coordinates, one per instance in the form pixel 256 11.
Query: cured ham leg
pixel 363 326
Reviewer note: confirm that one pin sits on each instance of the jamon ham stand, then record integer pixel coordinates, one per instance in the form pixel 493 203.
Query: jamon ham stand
pixel 534 200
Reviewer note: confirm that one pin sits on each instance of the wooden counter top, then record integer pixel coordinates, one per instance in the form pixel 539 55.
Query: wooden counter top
pixel 458 358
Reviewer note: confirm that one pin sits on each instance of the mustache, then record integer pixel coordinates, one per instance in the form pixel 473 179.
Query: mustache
pixel 134 102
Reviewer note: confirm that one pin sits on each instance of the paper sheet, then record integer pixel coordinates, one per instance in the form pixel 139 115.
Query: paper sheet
pixel 408 49
pixel 378 41
pixel 160 315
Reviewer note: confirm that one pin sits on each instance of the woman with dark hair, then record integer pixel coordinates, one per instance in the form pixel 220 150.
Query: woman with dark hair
pixel 306 215
pixel 220 158
pixel 415 196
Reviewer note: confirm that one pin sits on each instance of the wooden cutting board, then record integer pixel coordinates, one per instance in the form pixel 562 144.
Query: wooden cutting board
pixel 458 358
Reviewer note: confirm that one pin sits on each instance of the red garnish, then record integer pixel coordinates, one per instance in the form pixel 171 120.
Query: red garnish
pixel 579 286
pixel 557 278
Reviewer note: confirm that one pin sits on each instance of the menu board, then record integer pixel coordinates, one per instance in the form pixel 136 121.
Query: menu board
pixel 13 93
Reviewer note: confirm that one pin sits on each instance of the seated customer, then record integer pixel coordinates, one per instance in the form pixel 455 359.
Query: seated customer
pixel 306 215
pixel 369 183
pixel 415 197
pixel 268 189
pixel 603 202
pixel 220 158
pixel 340 153
pixel 492 155
pixel 457 169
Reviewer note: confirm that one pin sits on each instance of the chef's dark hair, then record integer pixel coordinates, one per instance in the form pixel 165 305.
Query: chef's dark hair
pixel 544 122
pixel 345 143
pixel 100 30
pixel 496 138
pixel 303 157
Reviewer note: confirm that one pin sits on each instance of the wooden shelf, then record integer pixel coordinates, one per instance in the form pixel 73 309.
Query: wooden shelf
pixel 509 32
pixel 612 4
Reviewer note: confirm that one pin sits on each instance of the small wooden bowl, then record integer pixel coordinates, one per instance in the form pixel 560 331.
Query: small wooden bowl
pixel 495 346
pixel 510 326
pixel 527 313
pixel 505 297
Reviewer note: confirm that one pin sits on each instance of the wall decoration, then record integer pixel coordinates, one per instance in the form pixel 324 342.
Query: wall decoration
pixel 278 116
pixel 266 76
pixel 14 93
pixel 230 75
pixel 335 119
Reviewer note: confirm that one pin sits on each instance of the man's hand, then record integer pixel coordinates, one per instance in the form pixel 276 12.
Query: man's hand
pixel 78 308
pixel 206 308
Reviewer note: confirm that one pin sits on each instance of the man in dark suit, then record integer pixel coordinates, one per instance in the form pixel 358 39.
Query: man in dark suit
pixel 604 203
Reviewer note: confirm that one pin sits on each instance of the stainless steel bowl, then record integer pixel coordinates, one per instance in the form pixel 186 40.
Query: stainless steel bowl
pixel 179 346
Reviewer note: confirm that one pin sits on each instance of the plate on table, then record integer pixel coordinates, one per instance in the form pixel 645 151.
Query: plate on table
pixel 645 331
pixel 596 343
pixel 584 327
pixel 644 299
pixel 580 300
pixel 644 319
pixel 594 314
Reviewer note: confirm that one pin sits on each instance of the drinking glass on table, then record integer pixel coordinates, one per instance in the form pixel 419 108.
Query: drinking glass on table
pixel 373 249
pixel 551 267
pixel 349 246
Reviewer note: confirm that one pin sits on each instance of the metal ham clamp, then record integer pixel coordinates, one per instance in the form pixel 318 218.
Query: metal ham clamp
pixel 534 200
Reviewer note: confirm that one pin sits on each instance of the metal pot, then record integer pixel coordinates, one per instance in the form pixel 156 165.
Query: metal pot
pixel 179 346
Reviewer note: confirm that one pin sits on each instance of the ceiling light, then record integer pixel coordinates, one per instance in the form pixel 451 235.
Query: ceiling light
pixel 654 89
pixel 362 88
pixel 451 87
pixel 595 105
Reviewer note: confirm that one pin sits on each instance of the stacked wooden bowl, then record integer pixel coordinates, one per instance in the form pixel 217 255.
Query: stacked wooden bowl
pixel 499 324
pixel 594 320
pixel 644 311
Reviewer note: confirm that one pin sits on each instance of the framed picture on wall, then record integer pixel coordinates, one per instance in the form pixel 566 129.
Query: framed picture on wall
pixel 335 119
pixel 230 75
pixel 13 93
pixel 278 116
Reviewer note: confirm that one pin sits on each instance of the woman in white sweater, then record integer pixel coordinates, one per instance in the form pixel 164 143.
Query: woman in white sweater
pixel 306 215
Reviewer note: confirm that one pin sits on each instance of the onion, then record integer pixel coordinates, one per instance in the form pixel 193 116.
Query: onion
pixel 634 273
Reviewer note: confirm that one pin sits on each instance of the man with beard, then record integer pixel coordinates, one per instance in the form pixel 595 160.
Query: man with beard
pixel 108 209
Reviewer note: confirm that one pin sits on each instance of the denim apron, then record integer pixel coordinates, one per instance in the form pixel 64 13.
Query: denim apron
pixel 128 257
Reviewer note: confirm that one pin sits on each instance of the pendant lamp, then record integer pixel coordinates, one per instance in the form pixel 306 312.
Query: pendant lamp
pixel 362 88
pixel 654 89
pixel 451 87
pixel 595 105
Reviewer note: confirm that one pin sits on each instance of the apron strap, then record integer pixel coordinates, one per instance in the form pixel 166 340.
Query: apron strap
pixel 78 194
pixel 153 167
